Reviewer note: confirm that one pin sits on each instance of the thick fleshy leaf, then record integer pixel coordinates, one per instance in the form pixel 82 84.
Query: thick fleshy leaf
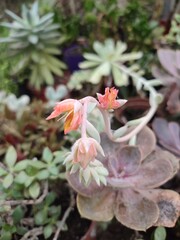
pixel 135 211
pixel 167 58
pixel 168 202
pixel 101 70
pixel 162 75
pixel 127 161
pixel 79 187
pixel 146 141
pixel 153 173
pixel 98 208
pixel 168 134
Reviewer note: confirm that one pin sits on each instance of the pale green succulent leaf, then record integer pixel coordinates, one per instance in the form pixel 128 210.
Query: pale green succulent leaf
pixel 88 64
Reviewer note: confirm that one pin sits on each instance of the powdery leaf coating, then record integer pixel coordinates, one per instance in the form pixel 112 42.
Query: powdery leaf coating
pixel 168 203
pixel 135 211
pixel 100 209
pixel 130 196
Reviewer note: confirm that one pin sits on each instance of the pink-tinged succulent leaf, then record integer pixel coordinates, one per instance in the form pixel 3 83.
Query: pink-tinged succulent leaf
pixel 98 208
pixel 162 75
pixel 109 146
pixel 168 202
pixel 173 103
pixel 174 129
pixel 127 160
pixel 135 211
pixel 167 58
pixel 161 154
pixel 90 191
pixel 168 134
pixel 152 174
pixel 146 141
pixel 178 59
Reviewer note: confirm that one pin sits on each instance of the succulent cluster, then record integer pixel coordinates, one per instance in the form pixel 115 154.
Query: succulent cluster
pixel 132 194
pixel 36 40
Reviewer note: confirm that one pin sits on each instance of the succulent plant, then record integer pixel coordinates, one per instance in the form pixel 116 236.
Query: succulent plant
pixel 132 194
pixel 106 61
pixel 53 95
pixel 170 60
pixel 168 134
pixel 174 33
pixel 35 39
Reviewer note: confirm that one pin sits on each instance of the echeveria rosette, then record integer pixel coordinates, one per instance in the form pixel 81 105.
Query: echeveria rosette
pixel 131 194
pixel 106 59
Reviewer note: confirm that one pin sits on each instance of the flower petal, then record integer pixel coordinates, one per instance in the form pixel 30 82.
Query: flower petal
pixel 62 107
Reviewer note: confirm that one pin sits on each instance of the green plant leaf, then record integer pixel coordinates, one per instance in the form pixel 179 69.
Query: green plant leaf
pixel 18 214
pixel 22 165
pixel 47 155
pixel 11 157
pixel 48 230
pixel 8 180
pixel 42 175
pixel 160 233
pixel 50 198
pixel 40 217
pixel 2 172
pixel 34 190
pixel 21 178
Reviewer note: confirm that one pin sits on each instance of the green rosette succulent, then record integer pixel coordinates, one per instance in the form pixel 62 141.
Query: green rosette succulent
pixel 35 39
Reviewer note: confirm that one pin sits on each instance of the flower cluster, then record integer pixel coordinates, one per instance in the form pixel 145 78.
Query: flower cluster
pixel 74 112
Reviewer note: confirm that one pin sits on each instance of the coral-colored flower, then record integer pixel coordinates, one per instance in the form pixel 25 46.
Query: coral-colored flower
pixel 85 150
pixel 72 110
pixel 108 100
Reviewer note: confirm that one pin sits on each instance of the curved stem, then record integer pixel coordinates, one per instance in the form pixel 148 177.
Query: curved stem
pixel 135 131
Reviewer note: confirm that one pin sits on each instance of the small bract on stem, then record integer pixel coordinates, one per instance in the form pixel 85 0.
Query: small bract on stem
pixel 86 150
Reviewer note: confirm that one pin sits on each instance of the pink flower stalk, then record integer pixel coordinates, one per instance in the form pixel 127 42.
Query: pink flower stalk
pixel 72 110
pixel 108 100
pixel 85 150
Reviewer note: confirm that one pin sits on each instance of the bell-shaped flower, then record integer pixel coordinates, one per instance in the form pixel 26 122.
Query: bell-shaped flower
pixel 85 150
pixel 72 110
pixel 108 100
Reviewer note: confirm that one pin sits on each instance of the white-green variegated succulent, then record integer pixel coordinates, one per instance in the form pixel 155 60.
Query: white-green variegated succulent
pixel 36 39
pixel 106 60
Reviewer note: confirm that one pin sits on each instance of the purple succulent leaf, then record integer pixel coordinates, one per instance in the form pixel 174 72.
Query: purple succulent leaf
pixel 109 146
pixel 135 211
pixel 174 129
pixel 173 104
pixel 162 75
pixel 98 208
pixel 146 141
pixel 168 135
pixel 167 58
pixel 178 59
pixel 174 161
pixel 90 191
pixel 168 202
pixel 127 161
pixel 160 126
pixel 152 174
